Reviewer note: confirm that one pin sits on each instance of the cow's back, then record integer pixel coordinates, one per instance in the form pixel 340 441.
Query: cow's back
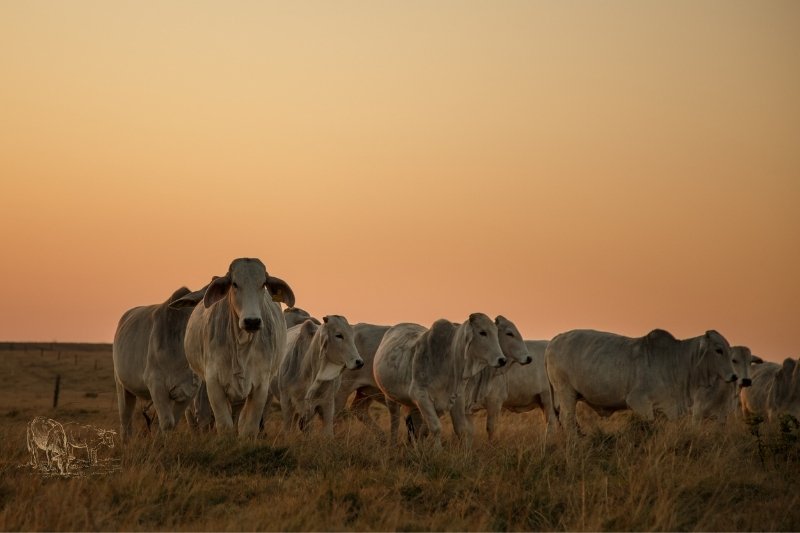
pixel 600 367
pixel 393 360
pixel 129 350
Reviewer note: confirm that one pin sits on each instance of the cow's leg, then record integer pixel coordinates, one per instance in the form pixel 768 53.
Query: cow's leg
pixel 223 420
pixel 415 425
pixel 287 411
pixel 394 419
pixel 31 446
pixel 203 414
pixel 253 410
pixel 549 411
pixel 328 408
pixel 428 411
pixel 462 422
pixel 126 402
pixel 179 410
pixel 567 399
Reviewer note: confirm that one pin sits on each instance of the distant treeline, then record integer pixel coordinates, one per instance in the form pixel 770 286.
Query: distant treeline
pixel 56 346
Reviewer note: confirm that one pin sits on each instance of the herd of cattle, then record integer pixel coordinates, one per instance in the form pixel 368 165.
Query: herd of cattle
pixel 220 355
pixel 59 442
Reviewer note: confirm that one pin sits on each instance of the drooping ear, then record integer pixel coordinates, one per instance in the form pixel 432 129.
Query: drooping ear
pixel 756 360
pixel 217 290
pixel 280 291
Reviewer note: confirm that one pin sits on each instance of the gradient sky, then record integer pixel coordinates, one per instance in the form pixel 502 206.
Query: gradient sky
pixel 612 165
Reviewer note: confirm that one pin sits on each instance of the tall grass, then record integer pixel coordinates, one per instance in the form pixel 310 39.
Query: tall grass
pixel 668 476
pixel 623 475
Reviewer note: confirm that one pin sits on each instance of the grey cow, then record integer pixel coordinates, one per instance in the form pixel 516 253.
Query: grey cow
pixel 428 370
pixel 361 381
pixel 234 341
pixel 775 390
pixel 311 369
pixel 611 372
pixel 720 400
pixel 520 388
pixel 150 363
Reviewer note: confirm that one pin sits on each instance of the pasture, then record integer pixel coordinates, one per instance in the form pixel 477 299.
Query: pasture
pixel 623 475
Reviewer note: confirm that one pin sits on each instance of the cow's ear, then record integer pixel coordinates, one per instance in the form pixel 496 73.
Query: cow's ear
pixel 756 360
pixel 217 290
pixel 280 291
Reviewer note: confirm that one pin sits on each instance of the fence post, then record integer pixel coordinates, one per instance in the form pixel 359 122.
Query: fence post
pixel 56 391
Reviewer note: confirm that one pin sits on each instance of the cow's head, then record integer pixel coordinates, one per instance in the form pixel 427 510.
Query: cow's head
pixel 337 346
pixel 741 358
pixel 715 356
pixel 511 342
pixel 245 286
pixel 295 315
pixel 482 346
pixel 106 437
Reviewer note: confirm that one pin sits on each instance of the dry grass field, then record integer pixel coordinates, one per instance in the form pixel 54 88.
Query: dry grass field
pixel 624 475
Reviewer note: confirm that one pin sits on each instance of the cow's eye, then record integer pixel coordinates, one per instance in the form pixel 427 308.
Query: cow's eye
pixel 482 333
pixel 510 334
pixel 339 336
pixel 235 286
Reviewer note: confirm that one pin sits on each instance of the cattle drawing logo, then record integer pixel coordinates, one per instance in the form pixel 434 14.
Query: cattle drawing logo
pixel 70 449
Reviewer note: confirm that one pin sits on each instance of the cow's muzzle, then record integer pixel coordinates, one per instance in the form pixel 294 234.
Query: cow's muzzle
pixel 359 363
pixel 500 362
pixel 528 360
pixel 732 378
pixel 252 324
pixel 746 382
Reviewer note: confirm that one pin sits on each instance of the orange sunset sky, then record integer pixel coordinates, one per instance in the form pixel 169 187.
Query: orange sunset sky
pixel 612 165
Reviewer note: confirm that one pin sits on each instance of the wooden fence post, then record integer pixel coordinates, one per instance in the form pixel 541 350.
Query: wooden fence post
pixel 56 391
